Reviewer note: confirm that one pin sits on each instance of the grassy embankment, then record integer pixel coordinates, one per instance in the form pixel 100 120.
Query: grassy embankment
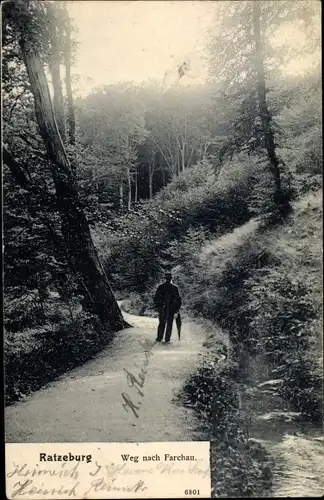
pixel 264 286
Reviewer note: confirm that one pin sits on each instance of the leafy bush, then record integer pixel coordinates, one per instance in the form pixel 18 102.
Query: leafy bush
pixel 300 138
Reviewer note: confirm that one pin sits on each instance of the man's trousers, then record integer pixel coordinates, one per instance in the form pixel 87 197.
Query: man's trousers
pixel 165 320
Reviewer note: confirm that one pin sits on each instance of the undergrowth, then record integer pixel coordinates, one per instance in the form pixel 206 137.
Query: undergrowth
pixel 263 287
pixel 35 356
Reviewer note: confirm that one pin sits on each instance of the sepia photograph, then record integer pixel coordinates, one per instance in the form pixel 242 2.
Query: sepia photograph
pixel 162 229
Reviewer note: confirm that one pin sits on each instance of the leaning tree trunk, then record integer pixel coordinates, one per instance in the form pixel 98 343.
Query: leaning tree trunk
pixel 68 86
pixel 58 98
pixel 54 67
pixel 85 262
pixel 262 101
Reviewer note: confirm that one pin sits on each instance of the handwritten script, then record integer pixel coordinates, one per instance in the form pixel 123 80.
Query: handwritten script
pixel 136 382
pixel 118 470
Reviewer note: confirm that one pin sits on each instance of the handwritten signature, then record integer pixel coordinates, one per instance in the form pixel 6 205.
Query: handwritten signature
pixel 27 488
pixel 111 477
pixel 27 485
pixel 101 485
pixel 63 471
pixel 137 383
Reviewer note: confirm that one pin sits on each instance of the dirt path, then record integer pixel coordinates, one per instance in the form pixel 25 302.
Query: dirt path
pixel 86 404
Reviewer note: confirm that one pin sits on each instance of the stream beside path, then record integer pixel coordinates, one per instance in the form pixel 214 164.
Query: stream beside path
pixel 295 446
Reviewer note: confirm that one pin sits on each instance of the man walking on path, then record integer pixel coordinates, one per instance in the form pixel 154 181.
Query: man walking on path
pixel 167 301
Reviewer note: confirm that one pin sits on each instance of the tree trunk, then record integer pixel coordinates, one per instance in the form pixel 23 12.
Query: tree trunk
pixel 163 178
pixel 136 186
pixel 121 196
pixel 205 149
pixel 150 181
pixel 68 86
pixel 98 295
pixel 183 156
pixel 54 67
pixel 129 183
pixel 263 108
pixel 151 174
pixel 177 163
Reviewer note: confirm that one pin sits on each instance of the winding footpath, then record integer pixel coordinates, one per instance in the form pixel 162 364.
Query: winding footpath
pixel 124 394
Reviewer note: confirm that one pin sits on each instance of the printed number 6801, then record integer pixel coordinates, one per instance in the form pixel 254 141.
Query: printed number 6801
pixel 191 492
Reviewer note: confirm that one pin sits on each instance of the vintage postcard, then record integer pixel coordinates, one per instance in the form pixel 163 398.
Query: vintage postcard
pixel 162 173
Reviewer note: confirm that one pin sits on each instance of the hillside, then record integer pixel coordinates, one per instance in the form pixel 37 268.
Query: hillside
pixel 276 306
pixel 263 285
